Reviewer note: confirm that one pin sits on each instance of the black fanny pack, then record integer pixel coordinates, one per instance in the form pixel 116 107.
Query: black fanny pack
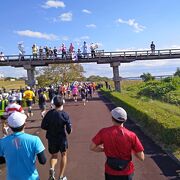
pixel 117 164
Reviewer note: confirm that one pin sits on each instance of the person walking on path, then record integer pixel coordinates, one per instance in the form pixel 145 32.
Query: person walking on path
pixel 118 143
pixel 12 106
pixel 75 92
pixel 55 122
pixel 3 105
pixel 83 95
pixel 29 96
pixel 42 102
pixel 20 150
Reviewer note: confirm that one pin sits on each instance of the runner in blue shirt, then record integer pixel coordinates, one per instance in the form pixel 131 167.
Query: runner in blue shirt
pixel 20 150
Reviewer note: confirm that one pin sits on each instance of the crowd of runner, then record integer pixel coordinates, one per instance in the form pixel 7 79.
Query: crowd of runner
pixel 18 104
pixel 22 148
pixel 75 91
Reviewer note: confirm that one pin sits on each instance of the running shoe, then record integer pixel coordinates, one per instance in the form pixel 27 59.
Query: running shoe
pixel 51 174
pixel 63 178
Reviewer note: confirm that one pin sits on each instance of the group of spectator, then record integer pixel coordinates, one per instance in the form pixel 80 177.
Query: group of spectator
pixel 48 52
pixel 66 53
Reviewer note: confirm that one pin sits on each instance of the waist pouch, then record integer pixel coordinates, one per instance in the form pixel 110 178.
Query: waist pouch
pixel 117 164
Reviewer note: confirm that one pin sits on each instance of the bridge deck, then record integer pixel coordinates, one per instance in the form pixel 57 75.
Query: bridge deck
pixel 101 58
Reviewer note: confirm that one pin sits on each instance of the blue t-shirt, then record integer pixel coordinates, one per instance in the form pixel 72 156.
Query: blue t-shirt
pixel 20 150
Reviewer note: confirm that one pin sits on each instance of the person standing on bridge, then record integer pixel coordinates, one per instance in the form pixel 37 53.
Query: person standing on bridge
pixel 21 50
pixel 152 46
pixel 34 51
pixel 55 122
pixel 118 143
pixel 63 51
pixel 2 56
pixel 84 49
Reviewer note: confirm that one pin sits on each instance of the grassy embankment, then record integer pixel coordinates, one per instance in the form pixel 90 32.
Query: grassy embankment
pixel 159 120
pixel 8 85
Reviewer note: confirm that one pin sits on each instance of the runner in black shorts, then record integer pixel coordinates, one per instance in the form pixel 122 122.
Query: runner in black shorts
pixel 55 122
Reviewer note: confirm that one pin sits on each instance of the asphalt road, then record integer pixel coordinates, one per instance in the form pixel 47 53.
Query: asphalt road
pixel 86 165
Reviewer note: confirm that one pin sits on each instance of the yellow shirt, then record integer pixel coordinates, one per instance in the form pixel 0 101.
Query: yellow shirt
pixel 28 95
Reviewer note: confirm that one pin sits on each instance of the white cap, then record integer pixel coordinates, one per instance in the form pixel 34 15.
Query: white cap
pixel 12 98
pixel 16 119
pixel 119 114
pixel 28 88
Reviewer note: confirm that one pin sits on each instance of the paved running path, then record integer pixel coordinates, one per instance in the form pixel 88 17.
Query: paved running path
pixel 86 165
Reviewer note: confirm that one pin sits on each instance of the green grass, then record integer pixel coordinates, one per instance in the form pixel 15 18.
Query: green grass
pixel 161 121
pixel 12 84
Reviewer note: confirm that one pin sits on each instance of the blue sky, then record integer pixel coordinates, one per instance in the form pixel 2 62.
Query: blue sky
pixel 113 24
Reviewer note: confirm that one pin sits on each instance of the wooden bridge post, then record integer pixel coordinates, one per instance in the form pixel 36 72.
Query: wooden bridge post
pixel 116 78
pixel 30 75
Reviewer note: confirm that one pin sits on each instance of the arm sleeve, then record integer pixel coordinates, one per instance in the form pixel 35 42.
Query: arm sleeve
pixel 68 123
pixel 2 159
pixel 41 157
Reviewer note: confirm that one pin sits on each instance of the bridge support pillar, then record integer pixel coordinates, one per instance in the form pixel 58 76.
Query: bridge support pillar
pixel 116 78
pixel 30 75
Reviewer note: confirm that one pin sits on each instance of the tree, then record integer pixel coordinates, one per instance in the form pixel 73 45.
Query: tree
pixel 177 73
pixel 97 78
pixel 56 73
pixel 147 77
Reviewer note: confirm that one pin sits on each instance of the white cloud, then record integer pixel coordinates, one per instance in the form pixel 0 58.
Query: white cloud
pixel 53 4
pixel 132 49
pixel 91 26
pixel 65 38
pixel 97 69
pixel 131 22
pixel 175 46
pixel 134 69
pixel 35 34
pixel 66 17
pixel 86 11
pixel 84 37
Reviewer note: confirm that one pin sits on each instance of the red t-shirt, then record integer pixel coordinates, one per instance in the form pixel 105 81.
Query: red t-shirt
pixel 118 142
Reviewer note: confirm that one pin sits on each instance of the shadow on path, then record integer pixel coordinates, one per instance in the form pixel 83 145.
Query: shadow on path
pixel 169 167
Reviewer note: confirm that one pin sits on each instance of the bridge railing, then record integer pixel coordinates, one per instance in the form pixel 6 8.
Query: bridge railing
pixel 99 54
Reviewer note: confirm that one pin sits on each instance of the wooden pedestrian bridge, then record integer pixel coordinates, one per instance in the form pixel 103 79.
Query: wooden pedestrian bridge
pixel 101 58
pixel 29 62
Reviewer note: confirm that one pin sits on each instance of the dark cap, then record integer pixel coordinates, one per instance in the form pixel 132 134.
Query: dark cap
pixel 58 101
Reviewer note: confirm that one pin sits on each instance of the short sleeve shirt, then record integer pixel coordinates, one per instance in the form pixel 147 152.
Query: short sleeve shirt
pixel 20 150
pixel 29 95
pixel 118 142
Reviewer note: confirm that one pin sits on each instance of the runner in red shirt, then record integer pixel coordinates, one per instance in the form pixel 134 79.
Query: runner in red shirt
pixel 118 144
